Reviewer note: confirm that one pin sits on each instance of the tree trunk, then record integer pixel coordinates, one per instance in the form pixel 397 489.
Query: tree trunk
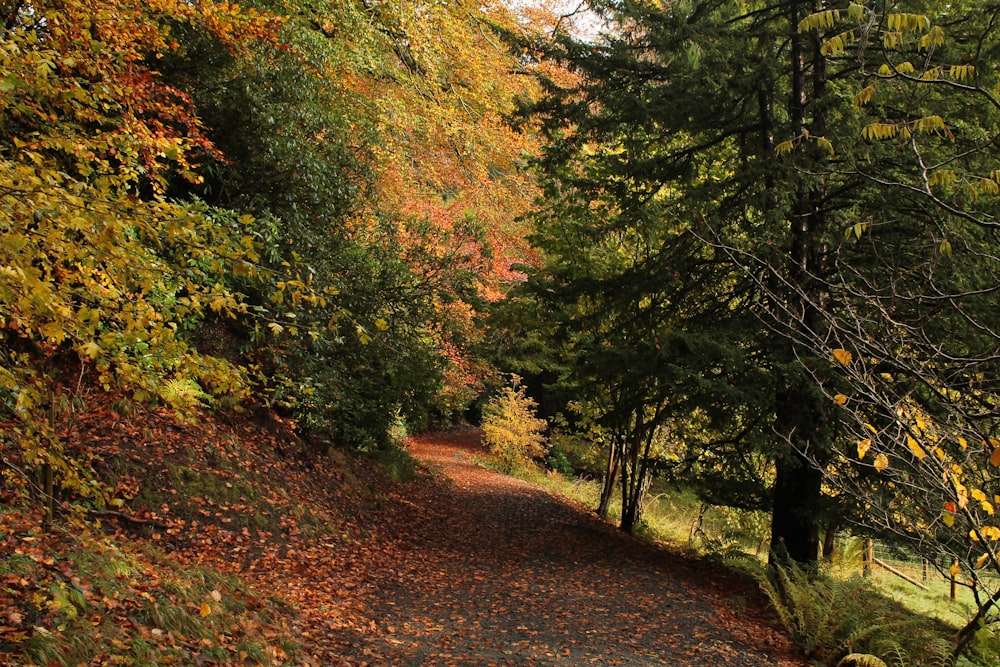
pixel 830 541
pixel 797 495
pixel 611 472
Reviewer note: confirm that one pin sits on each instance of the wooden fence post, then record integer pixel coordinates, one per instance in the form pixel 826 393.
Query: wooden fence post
pixel 868 557
pixel 954 579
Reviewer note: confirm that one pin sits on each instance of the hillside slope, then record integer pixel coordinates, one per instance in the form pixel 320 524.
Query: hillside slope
pixel 228 544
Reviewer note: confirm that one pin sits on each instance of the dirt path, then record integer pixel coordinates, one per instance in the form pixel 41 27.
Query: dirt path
pixel 487 570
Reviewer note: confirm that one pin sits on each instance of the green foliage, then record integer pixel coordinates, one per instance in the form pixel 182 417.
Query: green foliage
pixel 397 462
pixel 558 461
pixel 824 615
pixel 512 432
pixel 830 615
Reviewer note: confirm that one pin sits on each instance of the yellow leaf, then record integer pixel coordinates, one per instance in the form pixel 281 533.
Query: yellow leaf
pixel 381 324
pixel 963 443
pixel 881 462
pixel 91 349
pixel 963 496
pixel 784 147
pixel 843 357
pixel 863 447
pixel 977 494
pixel 864 96
pixel 981 561
pixel 948 519
pixel 840 399
pixel 53 331
pixel 871 428
pixel 987 507
pixel 205 609
pixel 955 569
pixel 826 145
pixel 974 535
pixel 995 457
pixel 915 447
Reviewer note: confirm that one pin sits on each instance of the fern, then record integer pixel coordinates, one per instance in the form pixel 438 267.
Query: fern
pixel 861 660
pixel 825 616
pixel 935 653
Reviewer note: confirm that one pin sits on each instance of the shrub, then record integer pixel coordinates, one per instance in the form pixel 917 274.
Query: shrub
pixel 511 430
pixel 557 460
pixel 826 616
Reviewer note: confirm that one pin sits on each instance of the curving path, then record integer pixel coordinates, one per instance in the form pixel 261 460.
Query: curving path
pixel 487 570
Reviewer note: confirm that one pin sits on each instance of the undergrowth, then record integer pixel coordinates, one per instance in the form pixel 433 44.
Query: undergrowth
pixel 76 597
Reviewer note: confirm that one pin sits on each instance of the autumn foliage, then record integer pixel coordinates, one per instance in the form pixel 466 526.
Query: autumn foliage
pixel 511 430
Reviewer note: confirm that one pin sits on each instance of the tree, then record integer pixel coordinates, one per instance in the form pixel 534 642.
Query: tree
pixel 511 431
pixel 101 274
pixel 680 106
pixel 372 207
pixel 911 345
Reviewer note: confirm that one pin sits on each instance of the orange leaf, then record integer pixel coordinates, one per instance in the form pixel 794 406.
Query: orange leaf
pixel 842 357
pixel 995 457
pixel 205 609
pixel 840 399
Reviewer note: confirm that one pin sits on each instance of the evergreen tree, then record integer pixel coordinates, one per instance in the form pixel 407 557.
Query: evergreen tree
pixel 673 129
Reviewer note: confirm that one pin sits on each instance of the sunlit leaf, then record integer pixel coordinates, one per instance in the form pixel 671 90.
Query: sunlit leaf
pixel 995 457
pixel 843 357
pixel 863 447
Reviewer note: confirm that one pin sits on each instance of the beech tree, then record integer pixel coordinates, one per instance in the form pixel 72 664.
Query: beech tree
pixel 370 149
pixel 100 274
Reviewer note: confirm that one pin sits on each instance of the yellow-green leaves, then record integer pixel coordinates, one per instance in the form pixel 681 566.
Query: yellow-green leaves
pixel 820 20
pixel 933 38
pixel 856 230
pixel 908 22
pixel 879 131
pixel 864 96
pixel 837 44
